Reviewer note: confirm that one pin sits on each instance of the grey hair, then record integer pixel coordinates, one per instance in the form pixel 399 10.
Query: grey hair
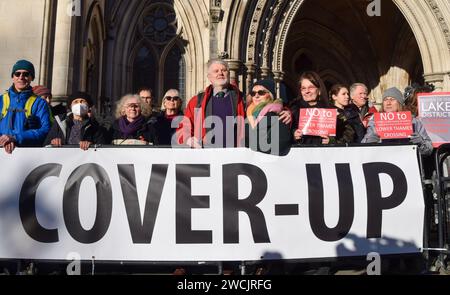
pixel 146 111
pixel 354 85
pixel 165 94
pixel 218 61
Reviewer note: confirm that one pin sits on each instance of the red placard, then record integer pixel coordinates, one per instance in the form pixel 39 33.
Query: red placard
pixel 434 112
pixel 393 125
pixel 318 122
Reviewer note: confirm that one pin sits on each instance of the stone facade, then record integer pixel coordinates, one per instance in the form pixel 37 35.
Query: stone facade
pixel 110 47
pixel 21 28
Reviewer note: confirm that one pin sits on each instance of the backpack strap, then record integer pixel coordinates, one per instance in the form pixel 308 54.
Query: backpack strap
pixel 6 102
pixel 29 105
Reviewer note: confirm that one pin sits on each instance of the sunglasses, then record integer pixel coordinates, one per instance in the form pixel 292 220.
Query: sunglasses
pixel 172 98
pixel 25 74
pixel 259 92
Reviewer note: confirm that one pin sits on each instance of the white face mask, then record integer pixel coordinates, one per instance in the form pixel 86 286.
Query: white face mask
pixel 80 109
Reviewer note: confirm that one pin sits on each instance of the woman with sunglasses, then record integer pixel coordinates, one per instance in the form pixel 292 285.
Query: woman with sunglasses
pixel 264 131
pixel 312 95
pixel 170 110
pixel 131 126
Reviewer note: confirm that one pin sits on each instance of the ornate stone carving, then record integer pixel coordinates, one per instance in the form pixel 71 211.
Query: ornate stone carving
pixel 281 36
pixel 223 55
pixel 159 24
pixel 278 76
pixel 256 18
pixel 269 32
pixel 440 18
pixel 216 14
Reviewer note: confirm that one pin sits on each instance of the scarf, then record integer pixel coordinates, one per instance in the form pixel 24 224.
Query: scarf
pixel 256 113
pixel 129 129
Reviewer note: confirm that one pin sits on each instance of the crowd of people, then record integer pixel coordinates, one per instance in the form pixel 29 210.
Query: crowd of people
pixel 220 116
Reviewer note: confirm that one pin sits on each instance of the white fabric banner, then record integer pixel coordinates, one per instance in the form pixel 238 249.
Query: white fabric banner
pixel 144 204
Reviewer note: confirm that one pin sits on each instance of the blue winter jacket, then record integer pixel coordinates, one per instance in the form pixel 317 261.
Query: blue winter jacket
pixel 14 123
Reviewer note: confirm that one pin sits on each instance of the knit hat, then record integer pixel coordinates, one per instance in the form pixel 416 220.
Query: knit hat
pixel 269 84
pixel 41 90
pixel 23 65
pixel 82 95
pixel 395 93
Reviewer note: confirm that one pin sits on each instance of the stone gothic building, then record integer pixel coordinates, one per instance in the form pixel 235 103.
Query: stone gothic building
pixel 111 47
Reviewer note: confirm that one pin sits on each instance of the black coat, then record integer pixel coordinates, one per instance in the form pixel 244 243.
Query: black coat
pixel 90 131
pixel 262 134
pixel 146 132
pixel 163 128
pixel 354 120
pixel 345 133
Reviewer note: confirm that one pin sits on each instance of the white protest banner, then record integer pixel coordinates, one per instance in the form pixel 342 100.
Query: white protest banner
pixel 434 112
pixel 145 204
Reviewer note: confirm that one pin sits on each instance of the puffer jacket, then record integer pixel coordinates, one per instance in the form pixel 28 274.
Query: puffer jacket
pixel 15 122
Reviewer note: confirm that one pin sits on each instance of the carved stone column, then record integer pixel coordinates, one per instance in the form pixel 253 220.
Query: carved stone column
pixel 216 16
pixel 62 69
pixel 235 70
pixel 436 79
pixel 265 72
pixel 251 70
pixel 47 52
pixel 278 77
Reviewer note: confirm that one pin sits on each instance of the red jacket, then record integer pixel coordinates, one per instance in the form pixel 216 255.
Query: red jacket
pixel 193 123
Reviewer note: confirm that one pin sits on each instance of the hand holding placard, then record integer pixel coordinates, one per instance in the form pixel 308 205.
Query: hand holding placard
pixel 318 122
pixel 393 125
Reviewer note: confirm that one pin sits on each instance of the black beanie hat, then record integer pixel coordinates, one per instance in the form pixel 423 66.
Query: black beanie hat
pixel 82 95
pixel 269 84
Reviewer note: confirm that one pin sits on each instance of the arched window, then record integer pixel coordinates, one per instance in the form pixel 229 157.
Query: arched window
pixel 158 60
pixel 174 71
pixel 145 70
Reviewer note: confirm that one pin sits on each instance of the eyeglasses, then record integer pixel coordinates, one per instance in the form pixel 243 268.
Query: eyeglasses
pixel 259 92
pixel 18 74
pixel 310 88
pixel 133 106
pixel 172 98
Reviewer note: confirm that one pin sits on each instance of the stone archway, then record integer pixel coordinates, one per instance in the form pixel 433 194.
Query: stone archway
pixel 354 46
pixel 415 18
pixel 92 56
pixel 429 21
